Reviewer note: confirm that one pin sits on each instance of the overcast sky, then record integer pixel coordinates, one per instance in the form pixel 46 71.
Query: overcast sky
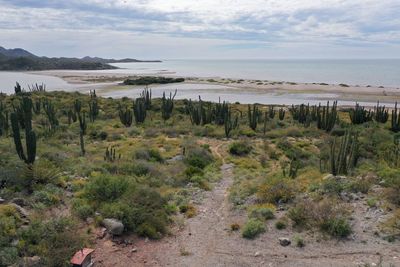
pixel 165 29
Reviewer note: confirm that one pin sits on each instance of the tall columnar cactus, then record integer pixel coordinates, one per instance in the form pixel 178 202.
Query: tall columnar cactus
pixel 271 112
pixel 82 124
pixel 327 117
pixel 50 112
pixel 18 89
pixel 146 95
pixel 345 157
pixel 37 106
pixel 381 113
pixel 359 115
pixel 93 106
pixel 194 111
pixel 253 114
pixel 395 120
pixel 220 112
pixel 110 155
pixel 139 110
pixel 125 116
pixel 71 116
pixel 281 114
pixel 230 123
pixel 30 136
pixel 167 105
pixel 4 125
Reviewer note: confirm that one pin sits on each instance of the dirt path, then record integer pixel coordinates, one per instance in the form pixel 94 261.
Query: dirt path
pixel 206 240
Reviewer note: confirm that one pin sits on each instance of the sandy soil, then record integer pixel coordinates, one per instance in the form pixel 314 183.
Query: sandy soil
pixel 206 240
pixel 108 81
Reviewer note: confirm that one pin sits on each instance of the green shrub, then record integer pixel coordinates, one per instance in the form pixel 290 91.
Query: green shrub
pixel 336 227
pixel 276 190
pixel 192 171
pixel 298 215
pixel 253 228
pixel 82 209
pixel 198 157
pixel 240 148
pixel 106 187
pixel 299 241
pixel 280 225
pixel 262 213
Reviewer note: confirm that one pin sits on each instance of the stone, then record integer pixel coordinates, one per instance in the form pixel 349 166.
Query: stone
pixel 2 200
pixel 257 254
pixel 284 241
pixel 113 226
pixel 23 212
pixel 134 250
pixel 34 261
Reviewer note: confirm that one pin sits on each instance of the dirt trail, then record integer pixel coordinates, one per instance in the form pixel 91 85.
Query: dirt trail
pixel 206 240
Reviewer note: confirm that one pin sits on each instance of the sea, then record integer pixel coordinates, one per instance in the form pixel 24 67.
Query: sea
pixel 363 72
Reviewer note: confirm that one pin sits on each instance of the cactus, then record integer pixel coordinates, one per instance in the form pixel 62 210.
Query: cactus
pixel 125 116
pixel 139 110
pixel 167 105
pixel 146 95
pixel 253 114
pixel 71 116
pixel 281 114
pixel 345 157
pixel 37 87
pixel 50 112
pixel 37 106
pixel 110 155
pixel 395 120
pixel 30 136
pixel 93 106
pixel 327 117
pixel 82 124
pixel 381 113
pixel 200 112
pixel 17 89
pixel 359 115
pixel 220 111
pixel 230 123
pixel 271 112
pixel 4 124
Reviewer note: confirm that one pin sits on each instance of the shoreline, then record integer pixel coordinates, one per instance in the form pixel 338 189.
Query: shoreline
pixel 110 82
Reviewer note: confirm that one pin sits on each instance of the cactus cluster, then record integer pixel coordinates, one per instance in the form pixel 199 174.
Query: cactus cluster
pixel 37 106
pixel 360 115
pixel 25 112
pixel 344 157
pixel 146 95
pixel 50 112
pixel 381 114
pixel 253 114
pixel 230 122
pixel 271 112
pixel 200 112
pixel 71 116
pixel 37 87
pixel 167 105
pixel 324 116
pixel 281 114
pixel 125 116
pixel 93 106
pixel 395 122
pixel 139 110
pixel 4 125
pixel 110 155
pixel 18 89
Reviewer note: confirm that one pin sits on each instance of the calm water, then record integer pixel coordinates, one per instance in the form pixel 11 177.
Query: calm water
pixel 353 72
pixel 378 72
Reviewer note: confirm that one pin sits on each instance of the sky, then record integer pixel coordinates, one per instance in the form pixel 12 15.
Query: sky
pixel 203 29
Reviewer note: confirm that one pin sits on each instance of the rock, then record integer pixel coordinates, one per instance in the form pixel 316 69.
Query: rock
pixel 257 254
pixel 2 200
pixel 113 226
pixel 89 220
pixel 20 202
pixel 34 261
pixel 23 212
pixel 102 233
pixel 327 177
pixel 284 241
pixel 134 250
pixel 174 159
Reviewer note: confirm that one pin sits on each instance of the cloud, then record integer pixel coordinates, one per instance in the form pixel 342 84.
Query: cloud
pixel 234 25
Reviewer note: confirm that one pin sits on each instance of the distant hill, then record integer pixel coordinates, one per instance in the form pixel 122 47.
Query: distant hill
pixel 19 59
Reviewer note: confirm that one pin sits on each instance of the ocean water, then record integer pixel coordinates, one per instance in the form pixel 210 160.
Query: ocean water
pixel 376 72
